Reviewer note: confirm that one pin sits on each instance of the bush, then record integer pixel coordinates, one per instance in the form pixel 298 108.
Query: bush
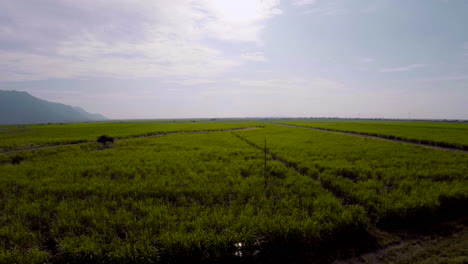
pixel 104 139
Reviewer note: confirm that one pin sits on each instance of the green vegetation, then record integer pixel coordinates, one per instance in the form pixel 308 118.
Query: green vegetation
pixel 392 181
pixel 204 196
pixel 454 135
pixel 14 137
pixel 158 198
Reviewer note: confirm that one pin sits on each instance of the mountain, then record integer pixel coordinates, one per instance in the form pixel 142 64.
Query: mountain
pixel 22 108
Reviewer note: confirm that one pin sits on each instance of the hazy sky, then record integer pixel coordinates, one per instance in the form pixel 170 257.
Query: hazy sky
pixel 240 58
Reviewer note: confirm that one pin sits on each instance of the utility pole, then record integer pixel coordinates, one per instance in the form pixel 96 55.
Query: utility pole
pixel 265 166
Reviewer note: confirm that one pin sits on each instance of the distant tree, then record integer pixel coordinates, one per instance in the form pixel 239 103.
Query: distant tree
pixel 104 139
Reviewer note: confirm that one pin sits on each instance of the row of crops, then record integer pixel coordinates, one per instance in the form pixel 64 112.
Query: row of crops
pixel 393 181
pixel 146 200
pixel 451 135
pixel 17 137
pixel 188 197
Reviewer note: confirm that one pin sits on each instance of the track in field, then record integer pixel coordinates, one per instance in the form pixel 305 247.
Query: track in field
pixel 133 137
pixel 357 134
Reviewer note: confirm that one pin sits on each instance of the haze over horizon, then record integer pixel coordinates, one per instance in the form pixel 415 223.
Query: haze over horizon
pixel 129 59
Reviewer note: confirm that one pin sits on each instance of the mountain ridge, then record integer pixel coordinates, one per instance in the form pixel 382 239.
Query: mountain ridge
pixel 19 107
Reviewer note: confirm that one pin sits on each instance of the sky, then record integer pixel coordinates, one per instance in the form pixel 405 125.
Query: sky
pixel 130 59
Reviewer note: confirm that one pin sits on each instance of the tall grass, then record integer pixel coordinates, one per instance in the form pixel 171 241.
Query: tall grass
pixel 453 135
pixel 180 197
pixel 17 137
pixel 393 181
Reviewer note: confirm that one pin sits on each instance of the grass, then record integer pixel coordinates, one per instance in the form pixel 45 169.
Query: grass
pixel 393 181
pixel 453 135
pixel 17 137
pixel 145 200
pixel 204 197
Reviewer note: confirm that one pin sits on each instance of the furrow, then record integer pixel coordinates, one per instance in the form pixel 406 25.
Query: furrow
pixel 132 137
pixel 414 142
pixel 346 200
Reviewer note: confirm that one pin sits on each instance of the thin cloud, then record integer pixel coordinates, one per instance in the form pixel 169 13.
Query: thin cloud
pixel 304 2
pixel 126 38
pixel 367 60
pixel 255 56
pixel 404 68
pixel 325 9
pixel 192 81
pixel 447 78
pixel 291 83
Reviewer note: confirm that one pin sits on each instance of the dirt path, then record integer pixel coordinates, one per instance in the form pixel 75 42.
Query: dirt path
pixel 376 137
pixel 446 243
pixel 133 137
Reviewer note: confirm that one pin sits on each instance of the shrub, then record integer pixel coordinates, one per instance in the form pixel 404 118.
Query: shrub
pixel 104 139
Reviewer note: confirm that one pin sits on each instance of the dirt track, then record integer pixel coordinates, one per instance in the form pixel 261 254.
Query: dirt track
pixel 121 139
pixel 446 242
pixel 376 137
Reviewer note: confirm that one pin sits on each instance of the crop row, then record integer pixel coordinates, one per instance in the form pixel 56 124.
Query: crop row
pixel 435 134
pixel 394 182
pixel 196 196
pixel 19 137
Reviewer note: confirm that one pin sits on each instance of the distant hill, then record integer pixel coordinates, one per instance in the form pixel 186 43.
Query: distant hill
pixel 22 108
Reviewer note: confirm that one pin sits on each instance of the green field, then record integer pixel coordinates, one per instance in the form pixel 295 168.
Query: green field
pixel 207 196
pixel 390 180
pixel 17 137
pixel 445 134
